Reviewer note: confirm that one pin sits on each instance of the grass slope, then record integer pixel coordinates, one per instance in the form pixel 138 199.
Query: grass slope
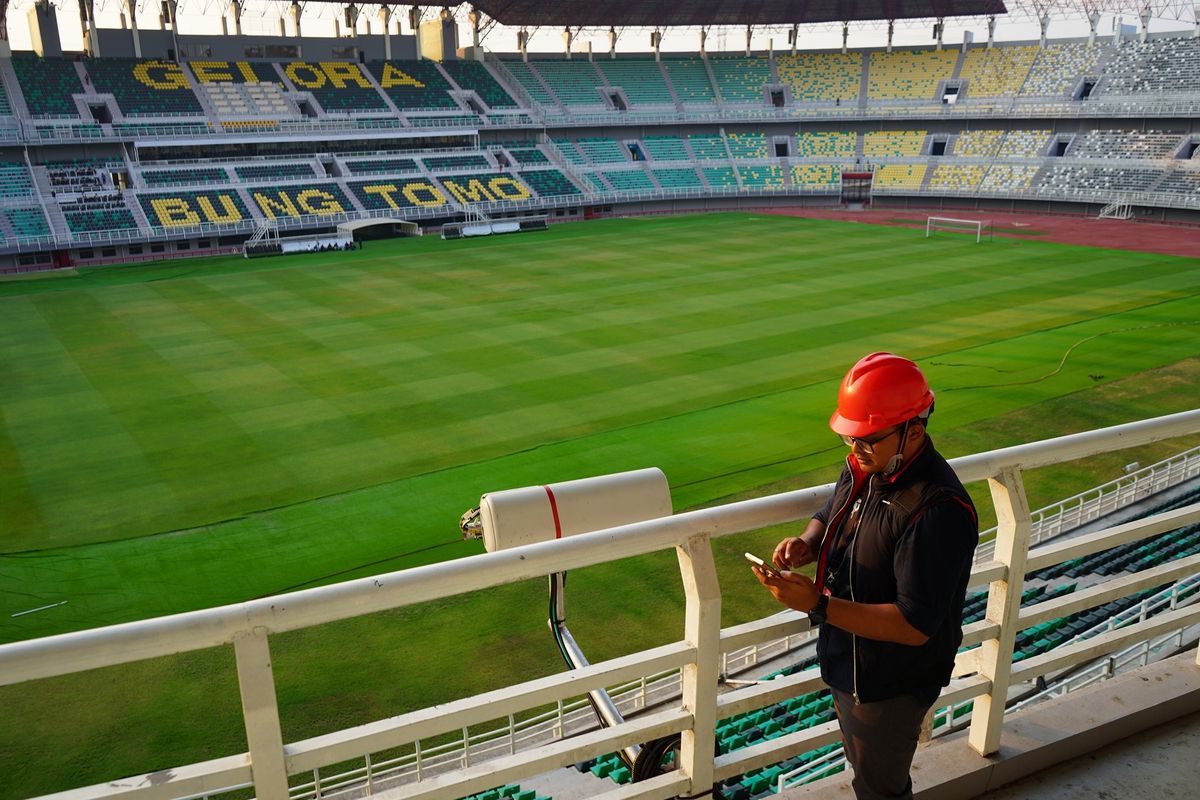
pixel 178 437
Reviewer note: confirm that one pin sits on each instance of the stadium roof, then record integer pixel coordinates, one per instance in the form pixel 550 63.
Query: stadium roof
pixel 662 13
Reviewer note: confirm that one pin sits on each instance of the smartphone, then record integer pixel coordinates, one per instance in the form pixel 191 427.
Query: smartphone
pixel 767 567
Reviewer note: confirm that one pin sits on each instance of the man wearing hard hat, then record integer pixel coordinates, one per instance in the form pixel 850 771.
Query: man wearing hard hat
pixel 893 548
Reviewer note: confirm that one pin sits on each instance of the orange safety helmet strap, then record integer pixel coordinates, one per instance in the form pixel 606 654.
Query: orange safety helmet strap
pixel 881 390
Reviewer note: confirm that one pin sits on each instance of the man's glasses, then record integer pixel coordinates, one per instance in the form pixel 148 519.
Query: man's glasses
pixel 867 445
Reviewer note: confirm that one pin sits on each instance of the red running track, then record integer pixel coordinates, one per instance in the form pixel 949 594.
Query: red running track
pixel 1147 237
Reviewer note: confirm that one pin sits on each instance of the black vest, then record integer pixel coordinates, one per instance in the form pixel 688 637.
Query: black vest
pixel 861 561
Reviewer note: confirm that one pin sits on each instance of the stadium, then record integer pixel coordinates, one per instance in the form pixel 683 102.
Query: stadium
pixel 329 351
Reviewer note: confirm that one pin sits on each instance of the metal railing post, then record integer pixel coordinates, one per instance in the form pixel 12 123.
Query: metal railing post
pixel 1004 606
pixel 702 629
pixel 261 712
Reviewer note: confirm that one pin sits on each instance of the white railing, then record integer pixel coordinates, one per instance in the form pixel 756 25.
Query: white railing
pixel 1099 501
pixel 988 670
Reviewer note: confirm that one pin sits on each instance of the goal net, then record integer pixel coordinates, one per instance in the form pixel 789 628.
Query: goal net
pixel 980 229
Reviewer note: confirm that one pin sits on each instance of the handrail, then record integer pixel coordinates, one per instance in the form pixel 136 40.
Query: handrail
pixel 249 625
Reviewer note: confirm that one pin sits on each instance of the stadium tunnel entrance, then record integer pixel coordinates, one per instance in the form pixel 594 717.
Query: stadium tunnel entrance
pixel 378 228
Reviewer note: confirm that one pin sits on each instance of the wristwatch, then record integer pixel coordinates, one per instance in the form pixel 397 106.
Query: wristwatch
pixel 816 614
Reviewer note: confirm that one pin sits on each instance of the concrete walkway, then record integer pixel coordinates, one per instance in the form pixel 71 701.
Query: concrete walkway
pixel 1157 764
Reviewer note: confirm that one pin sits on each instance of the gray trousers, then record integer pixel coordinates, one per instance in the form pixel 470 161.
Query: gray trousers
pixel 880 739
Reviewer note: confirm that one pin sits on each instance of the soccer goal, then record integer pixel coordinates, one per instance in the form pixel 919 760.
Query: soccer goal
pixel 981 228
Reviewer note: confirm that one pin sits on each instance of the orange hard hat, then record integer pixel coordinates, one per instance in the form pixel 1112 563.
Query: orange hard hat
pixel 881 390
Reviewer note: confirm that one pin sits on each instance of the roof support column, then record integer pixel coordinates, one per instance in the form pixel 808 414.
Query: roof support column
pixel 794 38
pixel 235 11
pixel 891 33
pixel 612 42
pixel 938 28
pixel 352 20
pixel 1146 17
pixel 131 9
pixel 473 17
pixel 385 16
pixel 87 21
pixel 749 34
pixel 523 43
pixel 845 35
pixel 992 32
pixel 703 40
pixel 1045 23
pixel 567 39
pixel 414 22
pixel 297 12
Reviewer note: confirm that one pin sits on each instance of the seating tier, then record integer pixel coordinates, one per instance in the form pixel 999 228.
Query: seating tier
pixel 747 145
pixel 741 79
pixel 144 87
pixel 574 82
pixel 339 86
pixel 98 216
pixel 996 71
pixel 27 222
pixel 476 77
pixel 529 81
pixel 186 209
pixel 708 146
pixel 1008 178
pixel 691 81
pixel 908 74
pixel 549 182
pixel 1024 143
pixel 978 144
pixel 677 178
pixel 1154 67
pixel 186 177
pixel 826 144
pixel 316 199
pixel 665 148
pixel 1059 67
pixel 900 176
pixel 957 177
pixel 821 77
pixel 762 176
pixel 15 180
pixel 285 172
pixel 721 177
pixel 48 84
pixel 629 180
pixel 529 155
pixel 602 151
pixel 640 78
pixel 1125 144
pixel 375 166
pixel 238 72
pixel 893 144
pixel 413 85
pixel 808 176
pixel 445 163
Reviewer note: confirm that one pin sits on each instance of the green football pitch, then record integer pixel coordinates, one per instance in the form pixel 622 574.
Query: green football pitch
pixel 178 436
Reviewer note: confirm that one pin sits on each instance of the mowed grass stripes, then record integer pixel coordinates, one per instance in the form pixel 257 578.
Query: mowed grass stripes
pixel 331 415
